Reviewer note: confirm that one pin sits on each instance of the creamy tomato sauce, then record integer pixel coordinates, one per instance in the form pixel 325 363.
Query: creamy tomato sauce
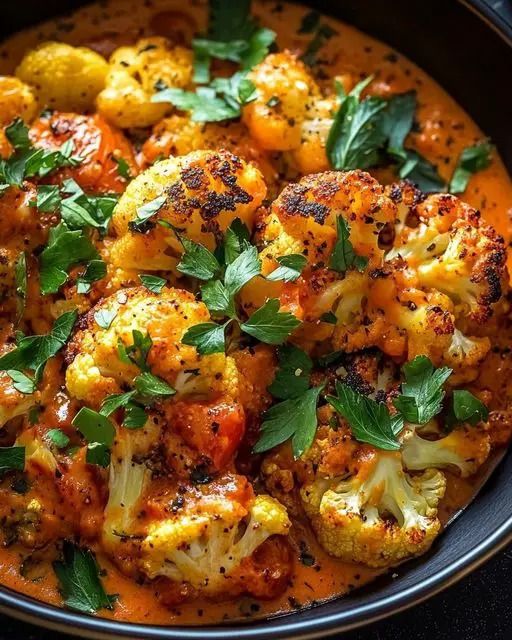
pixel 444 130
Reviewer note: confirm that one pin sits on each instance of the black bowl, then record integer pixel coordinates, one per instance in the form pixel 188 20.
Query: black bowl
pixel 467 46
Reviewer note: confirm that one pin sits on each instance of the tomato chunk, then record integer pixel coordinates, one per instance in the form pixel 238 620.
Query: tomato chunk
pixel 214 429
pixel 97 142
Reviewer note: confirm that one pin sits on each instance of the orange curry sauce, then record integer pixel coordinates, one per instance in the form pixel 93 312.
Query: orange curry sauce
pixel 444 130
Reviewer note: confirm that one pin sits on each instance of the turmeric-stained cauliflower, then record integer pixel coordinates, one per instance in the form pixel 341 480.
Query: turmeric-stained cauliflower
pixel 200 194
pixel 63 77
pixel 97 368
pixel 465 449
pixel 134 74
pixel 450 248
pixel 351 516
pixel 207 539
pixel 290 113
pixel 17 100
pixel 179 135
pixel 388 311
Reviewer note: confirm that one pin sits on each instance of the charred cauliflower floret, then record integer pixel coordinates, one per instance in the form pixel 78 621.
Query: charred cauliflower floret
pixel 366 504
pixel 465 449
pixel 97 369
pixel 134 74
pixel 385 309
pixel 207 546
pixel 290 114
pixel 303 219
pixel 381 516
pixel 200 195
pixel 63 77
pixel 129 476
pixel 452 250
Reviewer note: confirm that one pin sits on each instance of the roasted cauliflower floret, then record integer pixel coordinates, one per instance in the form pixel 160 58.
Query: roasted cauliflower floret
pixel 129 477
pixel 96 368
pixel 17 100
pixel 133 76
pixel 201 194
pixel 64 77
pixel 465 448
pixel 303 219
pixel 205 546
pixel 452 250
pixel 381 516
pixel 389 312
pixel 286 90
pixel 179 135
pixel 290 113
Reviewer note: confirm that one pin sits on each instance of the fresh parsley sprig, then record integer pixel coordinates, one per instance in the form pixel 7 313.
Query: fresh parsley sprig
pixel 28 161
pixel 371 131
pixel 147 387
pixel 422 392
pixel 224 281
pixel 79 580
pixel 233 35
pixel 370 421
pixel 293 418
pixel 12 459
pixel 33 352
pixel 222 99
pixel 343 256
pixel 99 433
pixel 471 160
pixel 66 248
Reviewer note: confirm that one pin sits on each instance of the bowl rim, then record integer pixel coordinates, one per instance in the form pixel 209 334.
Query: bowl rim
pixel 29 610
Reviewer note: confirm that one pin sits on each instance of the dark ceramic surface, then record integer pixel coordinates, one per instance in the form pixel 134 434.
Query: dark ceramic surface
pixel 478 608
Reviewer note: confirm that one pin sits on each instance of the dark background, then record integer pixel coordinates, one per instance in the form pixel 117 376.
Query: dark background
pixel 477 608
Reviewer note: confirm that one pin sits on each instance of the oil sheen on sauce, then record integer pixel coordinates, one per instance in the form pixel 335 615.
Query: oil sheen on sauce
pixel 445 129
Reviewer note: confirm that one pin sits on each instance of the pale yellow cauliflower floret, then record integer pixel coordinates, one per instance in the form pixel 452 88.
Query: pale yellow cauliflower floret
pixel 465 448
pixel 290 114
pixel 133 77
pixel 203 548
pixel 17 100
pixel 64 77
pixel 347 515
pixel 304 220
pixel 203 193
pixel 286 90
pixel 97 369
